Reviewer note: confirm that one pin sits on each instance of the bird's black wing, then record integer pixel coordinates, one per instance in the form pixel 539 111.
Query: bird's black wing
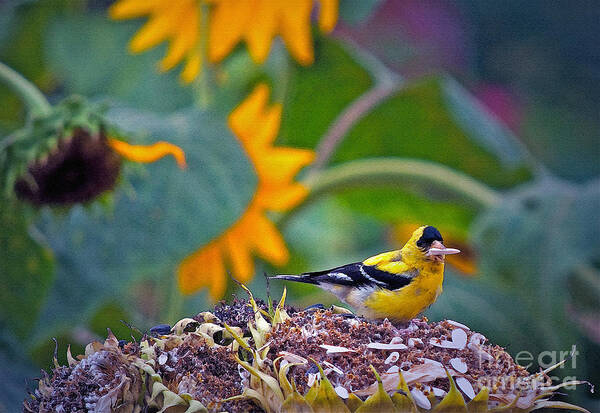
pixel 359 275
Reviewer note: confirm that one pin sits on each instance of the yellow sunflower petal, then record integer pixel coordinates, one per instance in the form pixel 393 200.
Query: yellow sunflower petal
pixel 269 129
pixel 204 267
pixel 227 23
pixel 156 30
pixel 183 40
pixel 130 9
pixel 190 272
pixel 246 117
pixel 281 164
pixel 148 153
pixel 192 68
pixel 295 30
pixel 328 15
pixel 262 28
pixel 283 198
pixel 239 252
pixel 256 126
pixel 218 276
pixel 268 242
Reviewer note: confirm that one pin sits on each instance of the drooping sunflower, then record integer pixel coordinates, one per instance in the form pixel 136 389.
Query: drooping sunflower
pixel 192 33
pixel 70 155
pixel 256 125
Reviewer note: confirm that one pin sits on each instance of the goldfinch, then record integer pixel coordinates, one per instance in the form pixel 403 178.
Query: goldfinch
pixel 397 285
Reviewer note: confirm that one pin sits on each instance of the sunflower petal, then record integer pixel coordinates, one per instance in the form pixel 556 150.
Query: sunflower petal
pixel 192 67
pixel 203 268
pixel 261 29
pixel 182 42
pixel 268 241
pixel 148 153
pixel 295 30
pixel 227 23
pixel 281 164
pixel 328 15
pixel 269 129
pixel 156 30
pixel 246 118
pixel 283 198
pixel 239 252
pixel 130 9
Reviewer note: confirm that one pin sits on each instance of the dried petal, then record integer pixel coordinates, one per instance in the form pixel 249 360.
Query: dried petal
pixel 292 358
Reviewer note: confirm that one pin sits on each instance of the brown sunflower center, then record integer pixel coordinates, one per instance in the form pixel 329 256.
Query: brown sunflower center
pixel 77 171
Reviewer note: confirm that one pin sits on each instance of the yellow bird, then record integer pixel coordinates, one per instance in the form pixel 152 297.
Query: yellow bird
pixel 397 285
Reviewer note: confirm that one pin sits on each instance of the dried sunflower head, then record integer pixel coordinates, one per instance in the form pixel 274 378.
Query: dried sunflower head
pixel 70 155
pixel 60 159
pixel 283 360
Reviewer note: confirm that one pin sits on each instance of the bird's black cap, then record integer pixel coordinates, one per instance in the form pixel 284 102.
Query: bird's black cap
pixel 430 234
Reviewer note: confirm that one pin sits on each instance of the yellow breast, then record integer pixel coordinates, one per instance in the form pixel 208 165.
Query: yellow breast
pixel 407 302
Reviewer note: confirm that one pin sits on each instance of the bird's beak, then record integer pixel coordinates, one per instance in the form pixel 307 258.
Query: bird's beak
pixel 437 248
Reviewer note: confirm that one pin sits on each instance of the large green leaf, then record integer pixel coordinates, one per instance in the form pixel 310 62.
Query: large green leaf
pixel 317 94
pixel 434 120
pixel 26 271
pixel 437 120
pixel 160 213
pixel 533 241
pixel 88 53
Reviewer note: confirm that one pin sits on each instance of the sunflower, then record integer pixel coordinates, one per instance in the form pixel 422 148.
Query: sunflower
pixel 71 155
pixel 182 23
pixel 256 125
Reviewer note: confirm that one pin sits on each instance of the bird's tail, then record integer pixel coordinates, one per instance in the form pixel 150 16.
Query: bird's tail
pixel 298 278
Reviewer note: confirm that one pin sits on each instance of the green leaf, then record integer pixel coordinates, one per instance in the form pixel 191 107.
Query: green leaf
pixel 334 71
pixel 89 55
pixel 533 241
pixel 26 271
pixel 160 213
pixel 439 121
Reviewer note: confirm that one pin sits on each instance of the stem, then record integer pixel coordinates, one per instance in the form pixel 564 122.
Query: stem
pixel 386 83
pixel 369 172
pixel 32 97
pixel 346 120
pixel 174 304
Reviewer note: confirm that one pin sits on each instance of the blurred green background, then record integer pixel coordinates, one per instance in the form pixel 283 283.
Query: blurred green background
pixel 505 93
